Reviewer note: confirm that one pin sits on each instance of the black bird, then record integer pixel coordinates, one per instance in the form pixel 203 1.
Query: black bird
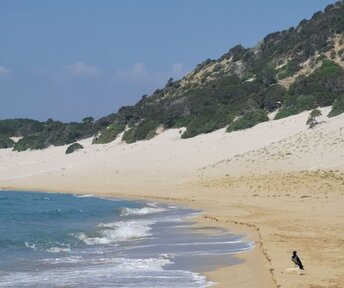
pixel 296 260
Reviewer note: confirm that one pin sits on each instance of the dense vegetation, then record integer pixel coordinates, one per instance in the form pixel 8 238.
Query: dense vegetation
pixel 109 133
pixel 293 70
pixel 338 106
pixel 248 120
pixel 145 130
pixel 40 135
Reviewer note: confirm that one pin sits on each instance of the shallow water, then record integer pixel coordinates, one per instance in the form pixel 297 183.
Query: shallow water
pixel 64 240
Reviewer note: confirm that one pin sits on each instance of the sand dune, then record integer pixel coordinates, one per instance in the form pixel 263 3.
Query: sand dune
pixel 279 182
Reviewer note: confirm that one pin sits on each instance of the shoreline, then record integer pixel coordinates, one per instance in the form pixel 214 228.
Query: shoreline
pixel 282 211
pixel 247 274
pixel 278 182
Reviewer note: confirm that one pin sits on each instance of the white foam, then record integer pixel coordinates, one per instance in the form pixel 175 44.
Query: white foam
pixel 152 204
pixel 148 264
pixel 118 232
pixel 141 211
pixel 58 250
pixel 63 260
pixel 121 264
pixel 84 196
pixel 136 273
pixel 30 245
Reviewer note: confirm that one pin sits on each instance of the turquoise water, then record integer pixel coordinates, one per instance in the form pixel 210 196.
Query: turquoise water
pixel 64 240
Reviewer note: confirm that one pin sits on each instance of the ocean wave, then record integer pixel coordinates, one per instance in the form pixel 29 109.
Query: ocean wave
pixel 58 249
pixel 124 272
pixel 152 204
pixel 64 260
pixel 84 195
pixel 30 245
pixel 141 211
pixel 148 264
pixel 117 232
pixel 121 264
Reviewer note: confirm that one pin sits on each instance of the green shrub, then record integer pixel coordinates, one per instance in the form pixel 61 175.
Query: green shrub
pixel 324 84
pixel 144 131
pixel 305 102
pixel 273 97
pixel 109 134
pixel 302 103
pixel 129 136
pixel 328 68
pixel 206 124
pixel 33 142
pixel 285 112
pixel 182 122
pixel 20 127
pixel 337 107
pixel 248 120
pixel 288 70
pixel 6 142
pixel 312 118
pixel 74 147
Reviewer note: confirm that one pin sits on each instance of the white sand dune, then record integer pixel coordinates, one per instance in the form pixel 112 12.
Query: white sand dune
pixel 240 177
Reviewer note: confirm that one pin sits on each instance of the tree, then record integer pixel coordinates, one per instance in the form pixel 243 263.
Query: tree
pixel 88 120
pixel 169 82
pixel 312 121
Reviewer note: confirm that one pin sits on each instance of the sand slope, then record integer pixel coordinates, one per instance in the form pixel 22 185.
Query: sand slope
pixel 279 181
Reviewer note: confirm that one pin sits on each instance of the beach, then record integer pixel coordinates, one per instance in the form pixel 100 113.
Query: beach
pixel 279 183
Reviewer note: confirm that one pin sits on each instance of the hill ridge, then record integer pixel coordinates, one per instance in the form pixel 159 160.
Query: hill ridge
pixel 292 70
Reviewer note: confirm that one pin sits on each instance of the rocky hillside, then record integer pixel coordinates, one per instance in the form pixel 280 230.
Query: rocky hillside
pixel 292 70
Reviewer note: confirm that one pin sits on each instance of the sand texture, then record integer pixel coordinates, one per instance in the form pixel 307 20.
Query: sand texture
pixel 279 183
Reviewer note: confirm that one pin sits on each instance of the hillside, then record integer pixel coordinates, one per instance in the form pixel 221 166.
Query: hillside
pixel 292 70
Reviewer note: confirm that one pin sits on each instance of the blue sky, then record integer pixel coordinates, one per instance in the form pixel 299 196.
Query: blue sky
pixel 67 59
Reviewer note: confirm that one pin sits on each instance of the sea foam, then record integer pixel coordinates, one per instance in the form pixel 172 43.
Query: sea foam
pixel 142 211
pixel 117 232
pixel 125 272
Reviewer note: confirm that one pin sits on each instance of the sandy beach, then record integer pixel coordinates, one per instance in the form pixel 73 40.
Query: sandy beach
pixel 279 183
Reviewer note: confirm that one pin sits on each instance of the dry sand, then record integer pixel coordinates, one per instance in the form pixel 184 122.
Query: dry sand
pixel 279 183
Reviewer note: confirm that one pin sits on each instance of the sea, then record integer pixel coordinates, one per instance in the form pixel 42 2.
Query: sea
pixel 65 240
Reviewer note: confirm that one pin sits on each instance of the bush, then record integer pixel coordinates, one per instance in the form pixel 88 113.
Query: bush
pixel 273 97
pixel 20 127
pixel 324 84
pixel 74 147
pixel 327 69
pixel 129 136
pixel 305 102
pixel 337 107
pixel 248 120
pixel 285 112
pixel 144 131
pixel 289 69
pixel 312 121
pixel 109 134
pixel 6 142
pixel 33 142
pixel 295 106
pixel 206 124
pixel 182 122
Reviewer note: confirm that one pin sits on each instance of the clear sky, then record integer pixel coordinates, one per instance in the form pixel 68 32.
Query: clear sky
pixel 67 59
